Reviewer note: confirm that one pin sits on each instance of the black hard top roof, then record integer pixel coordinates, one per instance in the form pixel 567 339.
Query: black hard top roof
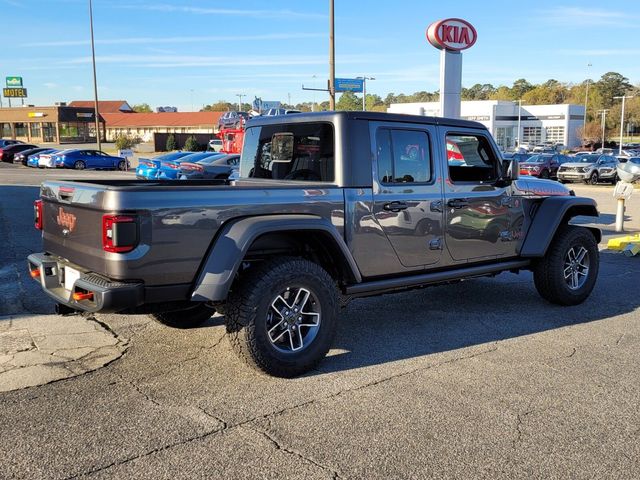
pixel 372 116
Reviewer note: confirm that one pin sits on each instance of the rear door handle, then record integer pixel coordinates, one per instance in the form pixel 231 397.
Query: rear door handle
pixel 395 206
pixel 458 203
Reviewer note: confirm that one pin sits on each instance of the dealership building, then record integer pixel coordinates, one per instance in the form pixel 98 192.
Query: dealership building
pixel 538 123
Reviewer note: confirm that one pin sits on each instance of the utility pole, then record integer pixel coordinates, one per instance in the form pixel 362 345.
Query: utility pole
pixel 603 113
pixel 289 99
pixel 519 120
pixel 332 60
pixel 623 97
pixel 95 78
pixel 364 91
pixel 240 95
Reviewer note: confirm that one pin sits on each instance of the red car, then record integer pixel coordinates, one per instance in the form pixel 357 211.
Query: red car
pixel 543 165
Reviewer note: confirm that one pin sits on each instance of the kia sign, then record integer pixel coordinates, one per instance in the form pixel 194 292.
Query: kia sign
pixel 452 34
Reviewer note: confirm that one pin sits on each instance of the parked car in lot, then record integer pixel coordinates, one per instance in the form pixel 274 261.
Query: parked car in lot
pixel 232 119
pixel 215 145
pixel 279 111
pixel 33 159
pixel 5 142
pixel 8 153
pixel 149 168
pixel 210 168
pixel 80 159
pixel 282 249
pixel 169 168
pixel 543 165
pixel 591 169
pixel 22 157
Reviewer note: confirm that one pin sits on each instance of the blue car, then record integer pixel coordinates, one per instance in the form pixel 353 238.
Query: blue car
pixel 149 169
pixel 32 160
pixel 169 169
pixel 81 159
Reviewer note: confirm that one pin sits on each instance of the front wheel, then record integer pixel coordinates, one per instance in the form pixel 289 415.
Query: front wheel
pixel 122 165
pixel 190 318
pixel 567 273
pixel 544 174
pixel 281 319
pixel 593 179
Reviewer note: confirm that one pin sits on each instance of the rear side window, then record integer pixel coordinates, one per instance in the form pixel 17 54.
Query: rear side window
pixel 301 152
pixel 471 159
pixel 403 156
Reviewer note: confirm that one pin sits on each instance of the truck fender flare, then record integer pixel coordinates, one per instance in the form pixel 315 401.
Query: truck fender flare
pixel 550 215
pixel 228 250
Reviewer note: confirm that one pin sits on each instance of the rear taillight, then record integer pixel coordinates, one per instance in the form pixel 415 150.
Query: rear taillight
pixel 191 167
pixel 119 233
pixel 170 165
pixel 37 214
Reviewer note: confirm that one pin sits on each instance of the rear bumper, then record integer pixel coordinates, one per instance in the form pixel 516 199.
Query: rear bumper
pixel 108 295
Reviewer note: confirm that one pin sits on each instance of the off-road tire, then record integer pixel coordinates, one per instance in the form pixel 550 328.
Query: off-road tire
pixel 250 301
pixel 79 165
pixel 183 319
pixel 548 272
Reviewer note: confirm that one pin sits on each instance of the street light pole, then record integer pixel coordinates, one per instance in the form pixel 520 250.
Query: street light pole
pixel 623 97
pixel 95 80
pixel 364 91
pixel 586 102
pixel 240 95
pixel 519 121
pixel 603 122
pixel 332 60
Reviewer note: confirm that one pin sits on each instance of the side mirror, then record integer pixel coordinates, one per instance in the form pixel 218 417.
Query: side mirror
pixel 512 174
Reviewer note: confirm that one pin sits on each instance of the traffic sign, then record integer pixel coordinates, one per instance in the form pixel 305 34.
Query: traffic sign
pixel 349 84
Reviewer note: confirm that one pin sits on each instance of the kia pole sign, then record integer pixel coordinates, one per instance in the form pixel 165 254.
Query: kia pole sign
pixel 451 36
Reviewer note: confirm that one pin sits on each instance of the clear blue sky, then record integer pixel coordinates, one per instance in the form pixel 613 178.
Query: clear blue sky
pixel 159 51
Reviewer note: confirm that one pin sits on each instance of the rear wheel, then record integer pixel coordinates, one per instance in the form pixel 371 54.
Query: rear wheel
pixel 282 317
pixel 79 165
pixel 567 273
pixel 190 318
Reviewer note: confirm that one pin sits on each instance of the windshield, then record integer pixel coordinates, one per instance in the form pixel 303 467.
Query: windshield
pixel 634 160
pixel 537 159
pixel 586 158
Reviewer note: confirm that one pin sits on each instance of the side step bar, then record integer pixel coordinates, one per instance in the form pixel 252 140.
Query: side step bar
pixel 400 283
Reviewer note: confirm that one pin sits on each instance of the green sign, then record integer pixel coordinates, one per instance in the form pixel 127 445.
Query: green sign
pixel 13 82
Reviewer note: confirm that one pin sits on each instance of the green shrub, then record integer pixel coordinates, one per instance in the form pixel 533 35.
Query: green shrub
pixel 171 143
pixel 124 142
pixel 192 145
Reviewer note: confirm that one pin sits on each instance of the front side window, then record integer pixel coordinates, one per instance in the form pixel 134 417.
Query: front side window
pixel 301 151
pixel 476 161
pixel 403 156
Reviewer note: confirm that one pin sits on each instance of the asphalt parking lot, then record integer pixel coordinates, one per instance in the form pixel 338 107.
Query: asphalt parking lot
pixel 481 379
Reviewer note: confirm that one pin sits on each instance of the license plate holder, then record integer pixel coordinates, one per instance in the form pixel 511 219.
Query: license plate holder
pixel 70 277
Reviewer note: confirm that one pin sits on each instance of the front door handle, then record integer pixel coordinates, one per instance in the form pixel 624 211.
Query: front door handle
pixel 458 203
pixel 395 206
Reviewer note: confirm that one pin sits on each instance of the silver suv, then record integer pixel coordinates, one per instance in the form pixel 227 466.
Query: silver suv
pixel 591 169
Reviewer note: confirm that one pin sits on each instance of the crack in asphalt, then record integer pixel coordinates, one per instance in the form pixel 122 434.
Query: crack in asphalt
pixel 279 446
pixel 227 427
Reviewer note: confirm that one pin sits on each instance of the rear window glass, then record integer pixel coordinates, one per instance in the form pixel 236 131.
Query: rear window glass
pixel 300 152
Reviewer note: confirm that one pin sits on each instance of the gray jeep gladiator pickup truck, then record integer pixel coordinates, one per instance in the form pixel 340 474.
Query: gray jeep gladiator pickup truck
pixel 328 206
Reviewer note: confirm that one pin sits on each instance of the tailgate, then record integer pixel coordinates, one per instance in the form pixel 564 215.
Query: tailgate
pixel 72 223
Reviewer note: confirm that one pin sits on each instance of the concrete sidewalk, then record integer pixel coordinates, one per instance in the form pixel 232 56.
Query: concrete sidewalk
pixel 39 349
